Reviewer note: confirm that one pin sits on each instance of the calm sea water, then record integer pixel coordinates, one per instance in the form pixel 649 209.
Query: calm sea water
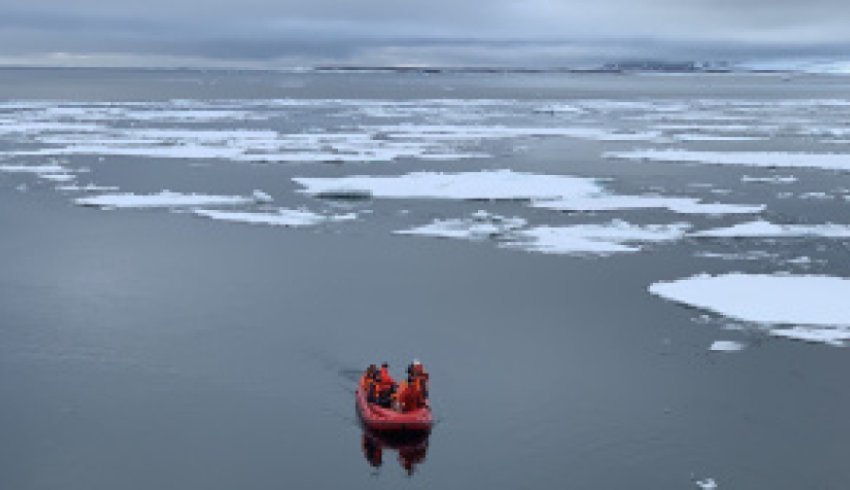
pixel 150 349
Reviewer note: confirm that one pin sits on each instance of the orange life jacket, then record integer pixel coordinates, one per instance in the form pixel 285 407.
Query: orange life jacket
pixel 386 379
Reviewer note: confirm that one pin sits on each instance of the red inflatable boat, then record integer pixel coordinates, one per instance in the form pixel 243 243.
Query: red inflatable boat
pixel 383 419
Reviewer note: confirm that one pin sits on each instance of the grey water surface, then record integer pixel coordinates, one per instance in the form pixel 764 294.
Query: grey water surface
pixel 149 349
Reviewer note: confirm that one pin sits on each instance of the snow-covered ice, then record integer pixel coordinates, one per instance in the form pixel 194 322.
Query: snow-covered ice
pixel 50 168
pixel 57 177
pixel 480 226
pixel 594 239
pixel 714 137
pixel 766 229
pixel 771 159
pixel 815 305
pixel 774 179
pixel 281 217
pixel 163 199
pixel 726 346
pixel 484 185
pixel 90 187
pixel 558 192
pixel 831 336
pixel 707 484
pixel 682 205
pixel 445 132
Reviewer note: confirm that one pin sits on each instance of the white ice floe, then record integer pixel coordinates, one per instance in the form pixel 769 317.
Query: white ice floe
pixel 726 346
pixel 559 108
pixel 774 179
pixel 817 195
pixel 714 137
pixel 260 196
pixel 57 177
pixel 828 161
pixel 281 217
pixel 831 336
pixel 50 168
pixel 247 146
pixel 593 239
pixel 558 192
pixel 803 260
pixel 749 255
pixel 682 205
pixel 445 132
pixel 816 306
pixel 766 229
pixel 483 185
pixel 90 187
pixel 163 199
pixel 707 484
pixel 480 226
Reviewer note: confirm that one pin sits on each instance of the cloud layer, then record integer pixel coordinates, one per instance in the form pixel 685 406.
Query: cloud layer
pixel 273 33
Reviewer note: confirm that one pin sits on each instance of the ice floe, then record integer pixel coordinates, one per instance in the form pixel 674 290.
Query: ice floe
pixel 483 185
pixel 774 179
pixel 815 307
pixel 593 239
pixel 714 137
pixel 831 336
pixel 90 187
pixel 247 146
pixel 558 192
pixel 480 226
pixel 766 229
pixel 726 346
pixel 473 132
pixel 50 168
pixel 707 484
pixel 682 205
pixel 771 159
pixel 57 177
pixel 163 199
pixel 281 217
pixel 748 255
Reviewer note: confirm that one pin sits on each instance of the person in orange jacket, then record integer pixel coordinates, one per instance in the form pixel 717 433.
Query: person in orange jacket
pixel 420 377
pixel 386 378
pixel 409 397
pixel 386 386
pixel 368 377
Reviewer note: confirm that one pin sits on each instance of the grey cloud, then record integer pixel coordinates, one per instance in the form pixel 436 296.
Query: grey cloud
pixel 508 32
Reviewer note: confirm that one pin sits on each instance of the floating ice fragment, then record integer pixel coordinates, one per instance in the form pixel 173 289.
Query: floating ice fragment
pixel 164 199
pixel 483 185
pixel 828 161
pixel 815 305
pixel 34 169
pixel 682 205
pixel 831 336
pixel 480 226
pixel 707 484
pixel 90 187
pixel 57 177
pixel 765 229
pixel 261 197
pixel 594 239
pixel 714 137
pixel 559 192
pixel 282 217
pixel 726 346
pixel 775 179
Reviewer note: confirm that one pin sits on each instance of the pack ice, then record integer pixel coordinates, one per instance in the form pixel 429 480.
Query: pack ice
pixel 803 307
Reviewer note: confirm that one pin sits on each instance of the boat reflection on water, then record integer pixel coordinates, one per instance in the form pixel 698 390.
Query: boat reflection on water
pixel 411 448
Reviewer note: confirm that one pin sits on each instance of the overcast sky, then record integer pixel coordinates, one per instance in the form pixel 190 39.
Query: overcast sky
pixel 282 33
